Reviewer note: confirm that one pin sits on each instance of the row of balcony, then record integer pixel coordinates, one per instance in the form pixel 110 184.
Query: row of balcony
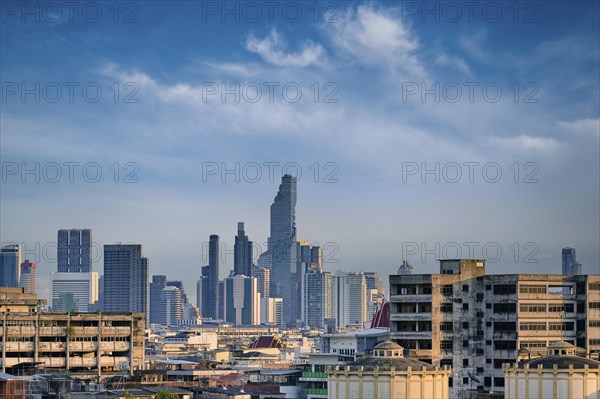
pixel 62 346
pixel 29 331
pixel 73 361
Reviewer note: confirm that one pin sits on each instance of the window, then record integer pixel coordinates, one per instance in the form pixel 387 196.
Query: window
pixel 498 381
pixel 446 308
pixel 465 288
pixel 465 325
pixel 488 342
pixel 487 381
pixel 488 323
pixel 488 305
pixel 560 289
pixel 479 370
pixel 505 345
pixel 446 326
pixel 594 341
pixel 566 307
pixel 446 362
pixel 465 380
pixel 533 344
pixel 488 287
pixel 465 306
pixel 447 289
pixel 499 362
pixel 446 345
pixel 488 361
pixel 479 297
pixel 466 343
pixel 505 289
pixel 465 362
pixel 505 308
pixel 566 326
pixel 505 326
pixel 594 286
pixel 532 326
pixel 594 323
pixel 533 308
pixel 594 305
pixel 532 289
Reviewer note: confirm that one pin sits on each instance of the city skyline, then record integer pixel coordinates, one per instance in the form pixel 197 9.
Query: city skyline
pixel 364 159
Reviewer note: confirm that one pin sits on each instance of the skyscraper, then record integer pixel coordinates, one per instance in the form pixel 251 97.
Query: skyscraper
pixel 210 280
pixel 126 280
pixel 74 292
pixel 569 262
pixel 158 283
pixel 74 251
pixel 10 265
pixel 349 299
pixel 27 279
pixel 263 277
pixel 241 302
pixel 316 298
pixel 171 306
pixel 242 253
pixel 282 246
pixel 178 284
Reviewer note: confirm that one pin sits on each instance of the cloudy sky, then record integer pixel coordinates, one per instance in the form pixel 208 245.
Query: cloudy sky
pixel 421 130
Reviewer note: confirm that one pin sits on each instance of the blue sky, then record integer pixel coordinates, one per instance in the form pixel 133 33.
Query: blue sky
pixel 371 130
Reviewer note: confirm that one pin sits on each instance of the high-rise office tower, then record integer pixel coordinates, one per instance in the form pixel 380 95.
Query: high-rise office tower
pixel 126 280
pixel 158 283
pixel 242 253
pixel 282 247
pixel 27 279
pixel 263 277
pixel 316 298
pixel 241 300
pixel 569 262
pixel 74 292
pixel 10 265
pixel 349 299
pixel 178 284
pixel 210 280
pixel 171 306
pixel 74 251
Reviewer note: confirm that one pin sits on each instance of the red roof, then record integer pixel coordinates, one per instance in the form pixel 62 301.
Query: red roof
pixel 266 341
pixel 381 318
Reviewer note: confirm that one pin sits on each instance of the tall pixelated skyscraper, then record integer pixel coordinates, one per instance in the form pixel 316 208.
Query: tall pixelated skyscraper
pixel 242 253
pixel 10 265
pixel 74 251
pixel 210 280
pixel 569 262
pixel 27 279
pixel 282 247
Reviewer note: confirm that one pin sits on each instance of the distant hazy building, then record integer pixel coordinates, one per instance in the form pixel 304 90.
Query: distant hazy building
pixel 271 311
pixel 74 251
pixel 569 262
pixel 349 299
pixel 242 253
pixel 74 292
pixel 10 265
pixel 264 260
pixel 178 284
pixel 316 304
pixel 241 300
pixel 263 278
pixel 126 279
pixel 210 280
pixel 171 306
pixel 406 268
pixel 27 279
pixel 282 247
pixel 158 283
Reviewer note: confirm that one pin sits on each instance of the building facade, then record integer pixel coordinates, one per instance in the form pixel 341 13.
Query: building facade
pixel 349 305
pixel 317 305
pixel 126 279
pixel 74 292
pixel 242 253
pixel 210 281
pixel 476 322
pixel 27 279
pixel 171 306
pixel 282 247
pixel 569 262
pixel 74 251
pixel 10 265
pixel 158 283
pixel 241 300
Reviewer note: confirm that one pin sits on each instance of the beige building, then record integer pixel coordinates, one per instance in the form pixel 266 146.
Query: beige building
pixel 561 374
pixel 476 322
pixel 388 374
pixel 87 344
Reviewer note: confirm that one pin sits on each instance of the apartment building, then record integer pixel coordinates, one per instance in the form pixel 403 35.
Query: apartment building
pixel 87 344
pixel 476 322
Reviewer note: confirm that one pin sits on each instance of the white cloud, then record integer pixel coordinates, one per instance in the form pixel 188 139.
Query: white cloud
pixel 272 49
pixel 374 37
pixel 527 143
pixel 453 61
pixel 584 127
